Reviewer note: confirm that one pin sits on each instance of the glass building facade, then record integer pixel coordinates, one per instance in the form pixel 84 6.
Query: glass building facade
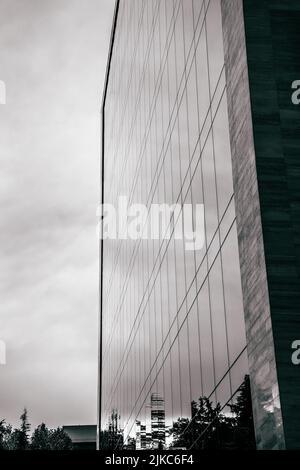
pixel 172 320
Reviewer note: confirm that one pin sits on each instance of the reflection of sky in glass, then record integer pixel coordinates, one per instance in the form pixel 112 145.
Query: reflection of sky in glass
pixel 173 319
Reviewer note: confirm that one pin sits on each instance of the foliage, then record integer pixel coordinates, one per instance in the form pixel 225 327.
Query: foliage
pixel 59 440
pixel 5 433
pixel 23 432
pixel 112 437
pixel 210 428
pixel 42 437
pixel 242 409
pixel 17 439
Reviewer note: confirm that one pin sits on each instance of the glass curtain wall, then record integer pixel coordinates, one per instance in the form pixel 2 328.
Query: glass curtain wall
pixel 173 323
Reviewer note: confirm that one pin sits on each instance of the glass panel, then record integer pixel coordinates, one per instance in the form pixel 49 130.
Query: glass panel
pixel 219 333
pixel 206 349
pixel 215 42
pixel 210 197
pixel 223 156
pixel 188 25
pixel 233 295
pixel 179 47
pixel 185 370
pixel 183 138
pixel 193 122
pixel 195 357
pixel 197 6
pixel 172 317
pixel 202 78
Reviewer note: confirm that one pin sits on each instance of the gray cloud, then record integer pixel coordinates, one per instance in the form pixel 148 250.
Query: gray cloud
pixel 53 58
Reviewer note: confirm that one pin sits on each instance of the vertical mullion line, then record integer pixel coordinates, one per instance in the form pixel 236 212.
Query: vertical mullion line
pixel 141 290
pixel 170 251
pixel 139 194
pixel 218 213
pixel 155 256
pixel 182 179
pixel 101 247
pixel 148 176
pixel 208 269
pixel 145 188
pixel 195 24
pixel 175 250
pixel 134 362
pixel 190 187
pixel 135 193
pixel 160 95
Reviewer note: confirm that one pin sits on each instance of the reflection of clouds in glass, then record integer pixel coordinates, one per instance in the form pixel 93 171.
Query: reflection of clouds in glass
pixel 2 92
pixel 2 352
pixel 186 318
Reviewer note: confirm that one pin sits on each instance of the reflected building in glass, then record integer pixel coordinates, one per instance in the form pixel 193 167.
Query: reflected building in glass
pixel 156 436
pixel 181 124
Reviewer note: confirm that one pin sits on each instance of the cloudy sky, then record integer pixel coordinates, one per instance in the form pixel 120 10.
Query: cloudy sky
pixel 52 58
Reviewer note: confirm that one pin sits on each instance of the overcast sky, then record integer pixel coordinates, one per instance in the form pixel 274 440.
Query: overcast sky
pixel 52 58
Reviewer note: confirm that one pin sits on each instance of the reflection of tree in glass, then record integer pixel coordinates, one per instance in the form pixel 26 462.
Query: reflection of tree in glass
pixel 209 428
pixel 242 409
pixel 112 437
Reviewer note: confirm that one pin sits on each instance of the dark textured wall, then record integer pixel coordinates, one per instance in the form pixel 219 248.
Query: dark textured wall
pixel 260 343
pixel 273 49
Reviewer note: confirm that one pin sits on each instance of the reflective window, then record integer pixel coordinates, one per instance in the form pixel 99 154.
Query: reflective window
pixel 219 331
pixel 193 119
pixel 202 78
pixel 223 156
pixel 173 329
pixel 233 295
pixel 214 42
pixel 210 196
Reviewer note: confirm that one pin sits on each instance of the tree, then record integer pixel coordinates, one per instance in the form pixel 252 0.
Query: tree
pixel 60 440
pixel 41 438
pixel 19 438
pixel 243 406
pixel 24 431
pixel 210 428
pixel 5 432
pixel 245 434
pixel 182 433
pixel 50 439
pixel 112 437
